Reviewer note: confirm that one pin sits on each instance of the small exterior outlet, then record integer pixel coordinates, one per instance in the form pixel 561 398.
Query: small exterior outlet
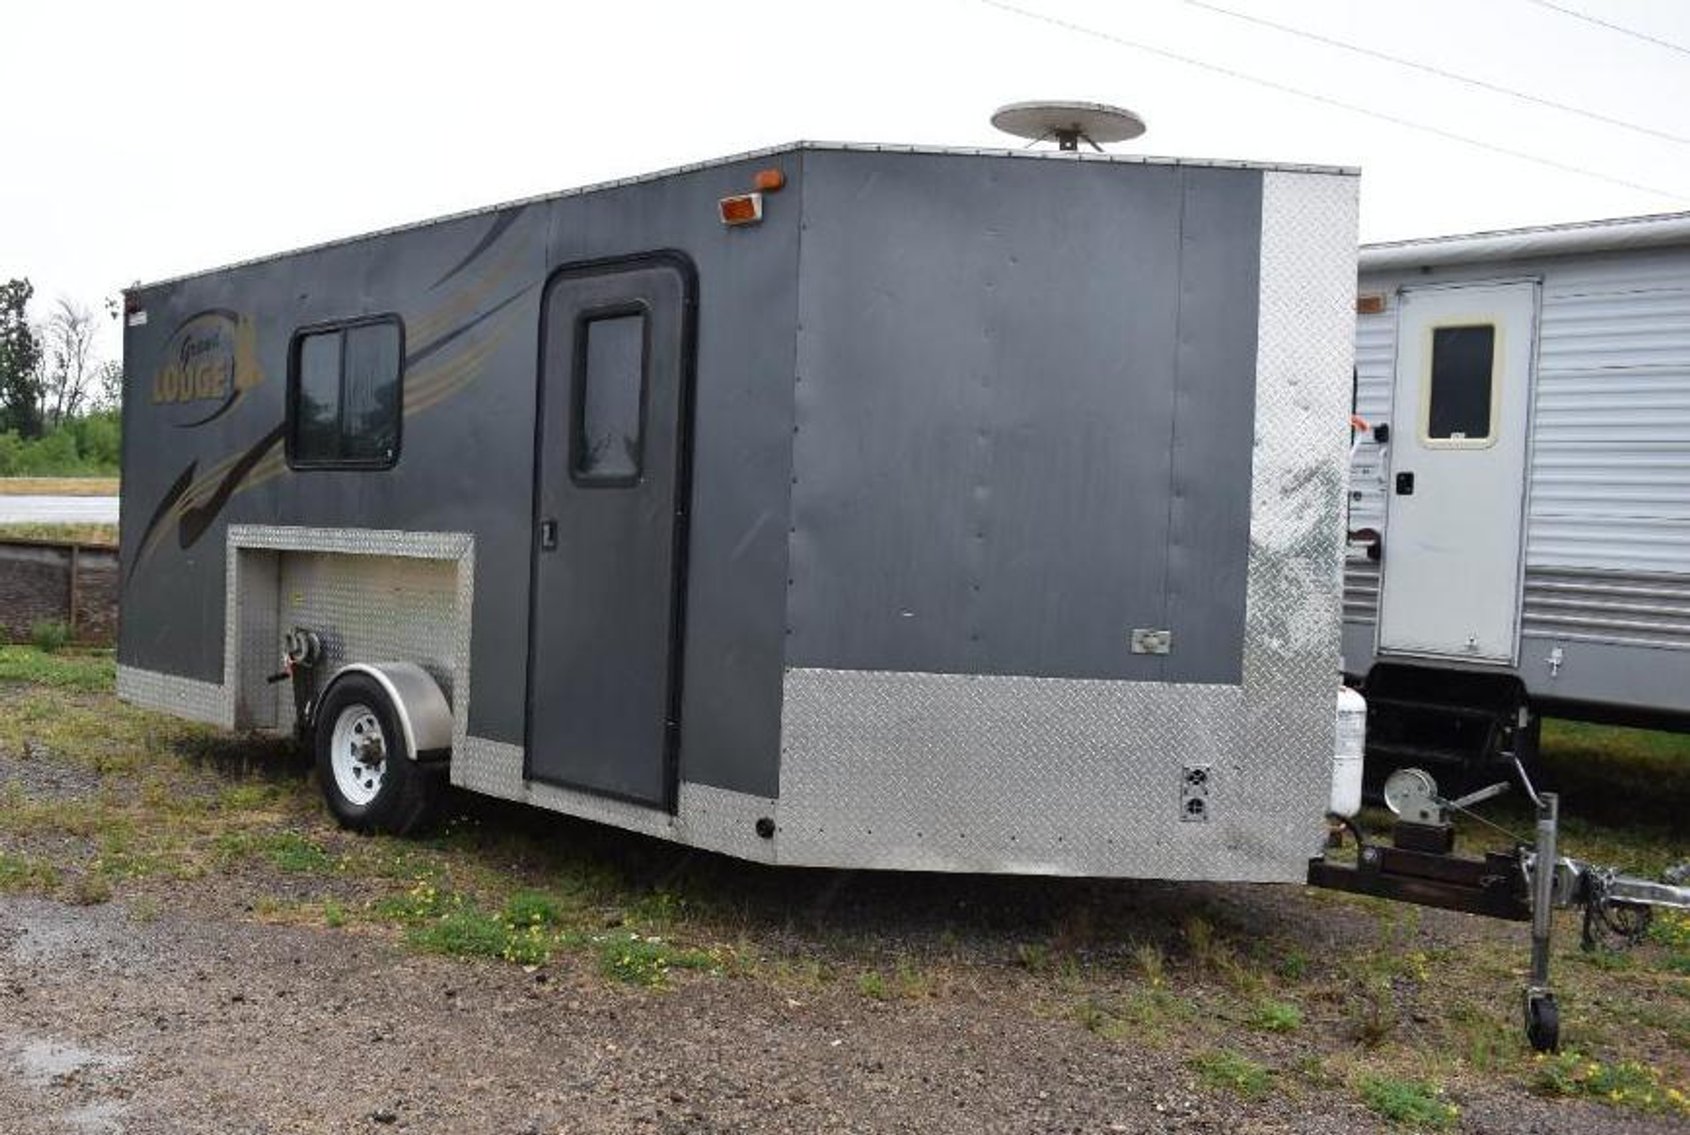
pixel 1194 785
pixel 1148 641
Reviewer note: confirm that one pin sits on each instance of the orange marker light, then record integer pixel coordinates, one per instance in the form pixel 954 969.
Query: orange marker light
pixel 769 180
pixel 1371 304
pixel 744 209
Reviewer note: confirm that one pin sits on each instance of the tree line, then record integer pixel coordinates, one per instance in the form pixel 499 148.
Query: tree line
pixel 58 399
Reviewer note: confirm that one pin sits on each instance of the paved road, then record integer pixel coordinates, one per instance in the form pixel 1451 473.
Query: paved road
pixel 58 510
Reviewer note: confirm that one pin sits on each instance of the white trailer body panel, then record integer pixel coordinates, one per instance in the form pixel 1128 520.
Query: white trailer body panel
pixel 1604 610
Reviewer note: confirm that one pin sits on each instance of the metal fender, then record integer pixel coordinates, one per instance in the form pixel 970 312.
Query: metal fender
pixel 425 716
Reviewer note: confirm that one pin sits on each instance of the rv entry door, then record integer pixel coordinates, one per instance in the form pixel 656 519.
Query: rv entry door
pixel 609 528
pixel 1456 486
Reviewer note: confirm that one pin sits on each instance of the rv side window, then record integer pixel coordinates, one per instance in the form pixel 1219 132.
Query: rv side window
pixel 610 366
pixel 1460 391
pixel 344 394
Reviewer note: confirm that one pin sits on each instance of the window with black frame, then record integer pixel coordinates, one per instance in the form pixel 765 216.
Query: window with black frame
pixel 344 395
pixel 609 412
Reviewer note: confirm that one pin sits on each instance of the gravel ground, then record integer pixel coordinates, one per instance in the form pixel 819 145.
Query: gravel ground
pixel 197 1021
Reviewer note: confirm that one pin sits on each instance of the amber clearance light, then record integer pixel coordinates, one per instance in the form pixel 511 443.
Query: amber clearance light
pixel 742 209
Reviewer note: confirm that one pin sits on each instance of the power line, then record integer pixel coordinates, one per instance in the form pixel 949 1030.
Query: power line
pixel 1632 32
pixel 1429 69
pixel 1327 100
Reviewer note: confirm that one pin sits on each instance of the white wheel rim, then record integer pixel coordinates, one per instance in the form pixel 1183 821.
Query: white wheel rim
pixel 358 752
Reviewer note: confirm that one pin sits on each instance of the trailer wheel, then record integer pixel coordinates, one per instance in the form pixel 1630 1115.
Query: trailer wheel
pixel 370 781
pixel 1543 1022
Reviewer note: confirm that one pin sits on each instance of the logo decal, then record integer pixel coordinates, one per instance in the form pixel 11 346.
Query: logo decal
pixel 211 359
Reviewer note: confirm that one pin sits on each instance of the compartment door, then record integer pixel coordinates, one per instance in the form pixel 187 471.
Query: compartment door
pixel 1455 491
pixel 609 528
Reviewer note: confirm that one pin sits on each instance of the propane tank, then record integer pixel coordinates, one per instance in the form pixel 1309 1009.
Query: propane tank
pixel 1350 743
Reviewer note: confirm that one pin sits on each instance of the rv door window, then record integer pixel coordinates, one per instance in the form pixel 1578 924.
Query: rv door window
pixel 344 410
pixel 1461 386
pixel 610 370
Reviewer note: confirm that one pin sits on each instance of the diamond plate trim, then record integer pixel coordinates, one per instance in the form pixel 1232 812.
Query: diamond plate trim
pixel 956 772
pixel 1059 776
pixel 166 693
pixel 711 818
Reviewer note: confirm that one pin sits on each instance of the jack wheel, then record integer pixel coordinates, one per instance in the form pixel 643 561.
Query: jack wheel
pixel 1543 1022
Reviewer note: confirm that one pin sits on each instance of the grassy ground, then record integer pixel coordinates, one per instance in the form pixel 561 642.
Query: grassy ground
pixel 1262 991
pixel 58 486
pixel 1620 775
pixel 104 534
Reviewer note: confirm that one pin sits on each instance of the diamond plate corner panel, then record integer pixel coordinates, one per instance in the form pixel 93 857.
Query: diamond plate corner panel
pixel 1294 596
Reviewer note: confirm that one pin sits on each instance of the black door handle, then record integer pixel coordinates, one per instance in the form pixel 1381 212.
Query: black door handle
pixel 1405 484
pixel 548 535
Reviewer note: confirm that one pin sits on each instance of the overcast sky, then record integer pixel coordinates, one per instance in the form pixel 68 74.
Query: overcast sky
pixel 145 140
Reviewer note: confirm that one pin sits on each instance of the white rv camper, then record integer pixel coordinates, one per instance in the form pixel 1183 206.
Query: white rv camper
pixel 1520 498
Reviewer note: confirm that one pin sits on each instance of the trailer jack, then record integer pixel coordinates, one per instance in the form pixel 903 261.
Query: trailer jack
pixel 1524 885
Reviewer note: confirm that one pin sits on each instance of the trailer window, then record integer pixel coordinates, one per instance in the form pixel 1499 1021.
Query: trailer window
pixel 610 366
pixel 1461 388
pixel 345 403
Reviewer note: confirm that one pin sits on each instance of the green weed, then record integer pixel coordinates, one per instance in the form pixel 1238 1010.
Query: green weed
pixel 647 961
pixel 91 889
pixel 462 932
pixel 1413 1103
pixel 21 873
pixel 872 984
pixel 66 669
pixel 285 850
pixel 1034 957
pixel 1626 1083
pixel 49 635
pixel 531 908
pixel 1151 963
pixel 1276 1016
pixel 1225 1070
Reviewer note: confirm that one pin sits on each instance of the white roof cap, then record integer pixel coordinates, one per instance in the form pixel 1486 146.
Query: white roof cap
pixel 1654 231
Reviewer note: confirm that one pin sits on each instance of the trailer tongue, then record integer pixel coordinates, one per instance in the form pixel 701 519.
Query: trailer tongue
pixel 1525 885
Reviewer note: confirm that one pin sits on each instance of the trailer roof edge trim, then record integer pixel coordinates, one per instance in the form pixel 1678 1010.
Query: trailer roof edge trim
pixel 753 155
pixel 1658 230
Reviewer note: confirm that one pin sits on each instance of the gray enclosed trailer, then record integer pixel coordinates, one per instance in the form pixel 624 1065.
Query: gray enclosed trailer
pixel 949 510
pixel 1530 489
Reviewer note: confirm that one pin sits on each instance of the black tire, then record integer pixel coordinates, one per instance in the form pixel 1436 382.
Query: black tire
pixel 1543 1023
pixel 406 795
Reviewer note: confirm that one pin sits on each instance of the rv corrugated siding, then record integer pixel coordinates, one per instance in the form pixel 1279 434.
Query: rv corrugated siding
pixel 1611 444
pixel 1376 342
pixel 1608 521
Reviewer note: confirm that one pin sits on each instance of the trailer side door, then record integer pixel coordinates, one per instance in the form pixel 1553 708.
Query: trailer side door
pixel 1456 487
pixel 609 528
